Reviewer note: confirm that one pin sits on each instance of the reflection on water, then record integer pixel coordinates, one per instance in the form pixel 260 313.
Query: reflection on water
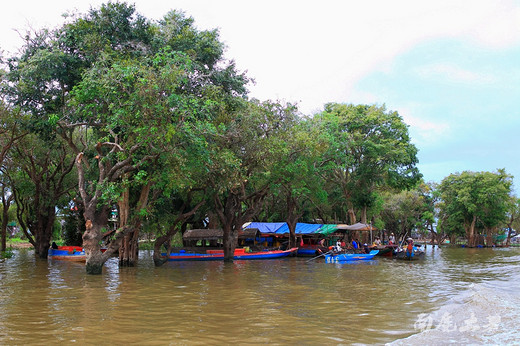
pixel 287 301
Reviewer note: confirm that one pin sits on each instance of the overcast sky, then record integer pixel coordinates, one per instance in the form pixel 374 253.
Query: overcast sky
pixel 450 68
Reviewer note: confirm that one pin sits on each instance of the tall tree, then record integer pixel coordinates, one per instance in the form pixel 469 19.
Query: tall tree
pixel 239 168
pixel 42 181
pixel 470 198
pixel 369 148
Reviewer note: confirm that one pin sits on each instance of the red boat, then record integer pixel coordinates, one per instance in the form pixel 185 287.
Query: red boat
pixel 240 254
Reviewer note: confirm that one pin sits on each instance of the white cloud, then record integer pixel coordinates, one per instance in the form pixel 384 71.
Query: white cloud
pixel 424 132
pixel 451 73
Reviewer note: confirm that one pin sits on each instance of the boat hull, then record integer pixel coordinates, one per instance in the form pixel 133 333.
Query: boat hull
pixel 350 257
pixel 68 253
pixel 386 251
pixel 215 255
pixel 414 256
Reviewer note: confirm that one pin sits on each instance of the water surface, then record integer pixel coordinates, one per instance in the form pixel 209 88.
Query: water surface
pixel 282 302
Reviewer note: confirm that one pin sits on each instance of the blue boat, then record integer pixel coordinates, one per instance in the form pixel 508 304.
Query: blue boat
pixel 346 257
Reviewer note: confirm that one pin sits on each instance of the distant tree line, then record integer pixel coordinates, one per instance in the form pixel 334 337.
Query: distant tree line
pixel 116 112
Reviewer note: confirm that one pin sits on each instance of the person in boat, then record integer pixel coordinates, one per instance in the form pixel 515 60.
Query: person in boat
pixel 409 247
pixel 338 248
pixel 54 245
pixel 377 242
pixel 366 249
pixel 391 239
pixel 355 244
pixel 322 242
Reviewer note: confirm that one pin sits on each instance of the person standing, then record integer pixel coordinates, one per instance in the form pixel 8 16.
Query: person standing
pixel 391 239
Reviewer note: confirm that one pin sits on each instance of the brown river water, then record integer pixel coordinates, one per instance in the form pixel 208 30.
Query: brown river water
pixel 467 296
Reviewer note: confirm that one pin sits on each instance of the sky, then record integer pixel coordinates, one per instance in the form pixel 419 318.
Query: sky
pixel 450 68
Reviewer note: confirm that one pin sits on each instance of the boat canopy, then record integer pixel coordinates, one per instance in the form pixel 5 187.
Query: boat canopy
pixel 281 228
pixel 301 228
pixel 266 227
pixel 357 227
pixel 327 229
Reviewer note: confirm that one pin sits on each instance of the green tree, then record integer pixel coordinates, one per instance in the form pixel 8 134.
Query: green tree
pixel 239 167
pixel 404 212
pixel 513 218
pixel 41 181
pixel 297 147
pixel 369 149
pixel 125 94
pixel 473 198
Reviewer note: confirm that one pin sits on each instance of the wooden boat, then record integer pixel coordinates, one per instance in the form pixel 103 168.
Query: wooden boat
pixel 385 250
pixel 68 253
pixel 335 258
pixel 415 255
pixel 240 254
pixel 311 250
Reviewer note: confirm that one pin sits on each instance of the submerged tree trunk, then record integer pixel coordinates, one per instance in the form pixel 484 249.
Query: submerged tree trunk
pixel 129 250
pixel 180 220
pixel 470 232
pixel 230 242
pixel 292 220
pixel 43 232
pixel 509 234
pixel 490 232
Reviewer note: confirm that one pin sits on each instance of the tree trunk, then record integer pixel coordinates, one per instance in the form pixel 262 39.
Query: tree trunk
pixel 124 211
pixel 230 242
pixel 364 214
pixel 490 232
pixel 351 216
pixel 470 232
pixel 509 233
pixel 6 202
pixel 4 239
pixel 181 219
pixel 43 232
pixel 292 220
pixel 91 244
pixel 159 260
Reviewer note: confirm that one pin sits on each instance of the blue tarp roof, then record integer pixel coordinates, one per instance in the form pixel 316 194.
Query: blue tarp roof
pixel 301 228
pixel 267 227
pixel 282 228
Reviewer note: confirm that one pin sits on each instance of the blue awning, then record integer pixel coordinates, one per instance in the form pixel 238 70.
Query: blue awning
pixel 301 228
pixel 267 227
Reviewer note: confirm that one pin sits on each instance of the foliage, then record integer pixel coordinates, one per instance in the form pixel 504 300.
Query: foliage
pixel 472 200
pixel 369 149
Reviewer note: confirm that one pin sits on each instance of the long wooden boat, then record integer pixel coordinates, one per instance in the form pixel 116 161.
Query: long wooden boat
pixel 68 253
pixel 240 254
pixel 335 258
